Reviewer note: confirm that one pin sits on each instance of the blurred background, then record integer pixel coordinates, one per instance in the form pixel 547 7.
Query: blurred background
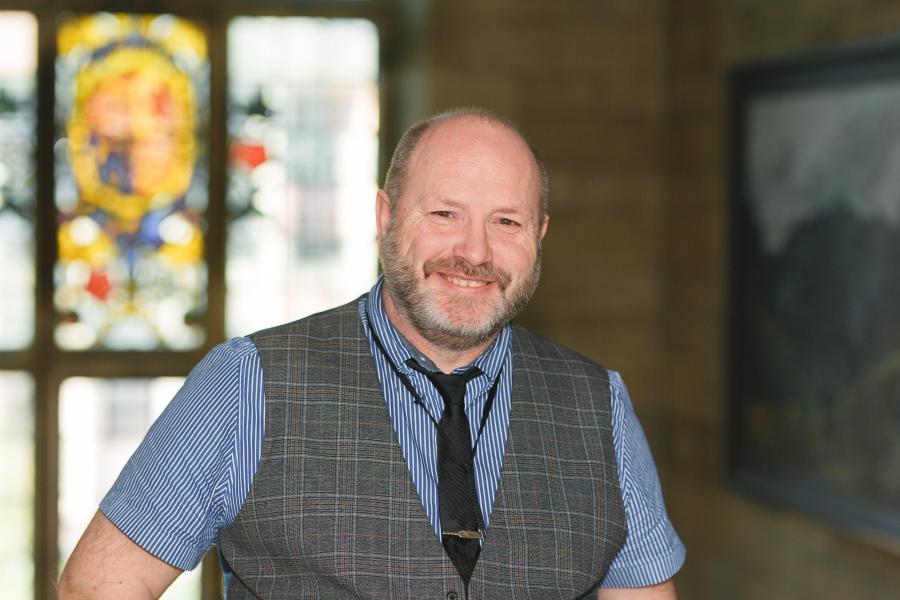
pixel 174 174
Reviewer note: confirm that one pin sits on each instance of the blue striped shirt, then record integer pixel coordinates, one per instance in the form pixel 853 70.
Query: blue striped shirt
pixel 415 429
pixel 191 474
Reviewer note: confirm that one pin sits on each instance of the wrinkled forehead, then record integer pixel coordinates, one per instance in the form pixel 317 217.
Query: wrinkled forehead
pixel 474 147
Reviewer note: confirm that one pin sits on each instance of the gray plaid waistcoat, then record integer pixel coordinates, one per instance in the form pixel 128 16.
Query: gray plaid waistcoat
pixel 333 511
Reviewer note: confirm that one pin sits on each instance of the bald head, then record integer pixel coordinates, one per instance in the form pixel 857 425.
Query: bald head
pixel 401 163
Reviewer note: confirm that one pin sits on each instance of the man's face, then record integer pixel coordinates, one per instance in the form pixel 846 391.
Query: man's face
pixel 461 249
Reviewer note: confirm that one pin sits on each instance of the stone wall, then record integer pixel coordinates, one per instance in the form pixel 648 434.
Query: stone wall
pixel 585 80
pixel 625 100
pixel 738 547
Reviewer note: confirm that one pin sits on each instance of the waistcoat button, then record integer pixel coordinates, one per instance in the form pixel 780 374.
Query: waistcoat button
pixel 452 596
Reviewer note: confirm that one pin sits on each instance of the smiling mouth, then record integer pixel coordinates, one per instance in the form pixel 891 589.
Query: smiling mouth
pixel 458 272
pixel 468 283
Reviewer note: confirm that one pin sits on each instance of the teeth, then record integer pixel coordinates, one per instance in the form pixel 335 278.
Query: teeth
pixel 466 282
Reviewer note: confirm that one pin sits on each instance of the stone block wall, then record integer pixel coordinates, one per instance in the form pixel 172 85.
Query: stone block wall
pixel 585 80
pixel 626 102
pixel 739 548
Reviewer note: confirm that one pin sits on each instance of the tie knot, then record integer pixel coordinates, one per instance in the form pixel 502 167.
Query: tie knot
pixel 452 387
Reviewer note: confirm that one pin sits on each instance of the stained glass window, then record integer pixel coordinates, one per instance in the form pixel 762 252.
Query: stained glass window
pixel 128 122
pixel 101 423
pixel 18 108
pixel 17 475
pixel 132 108
pixel 303 126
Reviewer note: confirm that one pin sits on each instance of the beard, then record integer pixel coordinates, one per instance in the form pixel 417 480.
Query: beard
pixel 450 324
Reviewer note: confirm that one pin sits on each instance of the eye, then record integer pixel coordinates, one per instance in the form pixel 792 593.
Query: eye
pixel 444 214
pixel 507 222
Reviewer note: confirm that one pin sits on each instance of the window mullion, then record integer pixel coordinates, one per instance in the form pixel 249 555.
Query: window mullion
pixel 46 382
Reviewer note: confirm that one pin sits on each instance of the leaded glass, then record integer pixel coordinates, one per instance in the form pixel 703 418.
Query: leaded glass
pixel 101 423
pixel 132 109
pixel 17 490
pixel 18 55
pixel 303 122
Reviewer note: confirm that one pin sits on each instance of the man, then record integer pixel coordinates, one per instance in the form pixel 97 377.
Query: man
pixel 411 444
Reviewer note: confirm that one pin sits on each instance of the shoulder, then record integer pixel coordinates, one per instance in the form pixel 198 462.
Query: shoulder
pixel 220 376
pixel 227 354
pixel 322 325
pixel 217 383
pixel 530 346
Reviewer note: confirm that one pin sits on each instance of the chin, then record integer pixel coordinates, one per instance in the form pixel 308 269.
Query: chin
pixel 467 313
pixel 466 324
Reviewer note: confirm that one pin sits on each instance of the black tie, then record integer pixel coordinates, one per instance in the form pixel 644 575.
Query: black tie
pixel 461 522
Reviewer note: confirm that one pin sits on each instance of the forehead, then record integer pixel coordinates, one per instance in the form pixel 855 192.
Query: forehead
pixel 473 157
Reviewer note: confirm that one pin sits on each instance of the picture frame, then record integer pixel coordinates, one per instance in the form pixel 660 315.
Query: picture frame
pixel 813 359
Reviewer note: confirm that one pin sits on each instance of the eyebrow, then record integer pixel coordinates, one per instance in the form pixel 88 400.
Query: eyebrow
pixel 457 204
pixel 447 201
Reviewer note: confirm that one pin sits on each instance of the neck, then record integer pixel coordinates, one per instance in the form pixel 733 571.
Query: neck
pixel 444 358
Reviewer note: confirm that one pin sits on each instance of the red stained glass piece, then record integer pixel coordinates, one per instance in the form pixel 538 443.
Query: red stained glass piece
pixel 248 154
pixel 98 285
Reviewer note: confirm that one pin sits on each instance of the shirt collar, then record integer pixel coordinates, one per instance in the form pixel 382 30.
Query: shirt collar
pixel 399 349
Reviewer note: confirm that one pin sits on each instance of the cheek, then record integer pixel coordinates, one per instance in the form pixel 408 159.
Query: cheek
pixel 519 257
pixel 426 243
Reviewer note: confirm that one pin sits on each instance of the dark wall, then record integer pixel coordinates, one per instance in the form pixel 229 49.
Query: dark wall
pixel 626 102
pixel 738 547
pixel 586 81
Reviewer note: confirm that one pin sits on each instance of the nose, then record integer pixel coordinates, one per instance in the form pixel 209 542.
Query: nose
pixel 474 245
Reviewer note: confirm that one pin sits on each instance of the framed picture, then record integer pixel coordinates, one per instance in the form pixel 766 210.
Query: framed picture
pixel 814 284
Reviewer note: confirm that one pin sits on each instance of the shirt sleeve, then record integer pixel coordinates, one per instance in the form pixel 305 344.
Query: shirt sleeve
pixel 193 470
pixel 652 552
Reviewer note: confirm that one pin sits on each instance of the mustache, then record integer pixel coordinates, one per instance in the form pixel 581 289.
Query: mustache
pixel 460 266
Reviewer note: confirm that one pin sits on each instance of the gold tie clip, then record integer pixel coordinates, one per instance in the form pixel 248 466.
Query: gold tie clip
pixel 464 534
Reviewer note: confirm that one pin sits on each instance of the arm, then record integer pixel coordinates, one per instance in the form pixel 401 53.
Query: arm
pixel 662 591
pixel 108 565
pixel 179 488
pixel 652 552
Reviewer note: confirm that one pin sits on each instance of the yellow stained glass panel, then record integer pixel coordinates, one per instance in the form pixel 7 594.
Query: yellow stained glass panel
pixel 132 93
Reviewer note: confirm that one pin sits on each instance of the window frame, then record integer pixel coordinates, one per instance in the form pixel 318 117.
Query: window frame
pixel 49 365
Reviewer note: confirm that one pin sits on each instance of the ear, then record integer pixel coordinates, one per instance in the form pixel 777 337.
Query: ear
pixel 383 214
pixel 544 225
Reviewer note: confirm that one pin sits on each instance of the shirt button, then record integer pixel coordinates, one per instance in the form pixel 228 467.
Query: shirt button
pixel 452 596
